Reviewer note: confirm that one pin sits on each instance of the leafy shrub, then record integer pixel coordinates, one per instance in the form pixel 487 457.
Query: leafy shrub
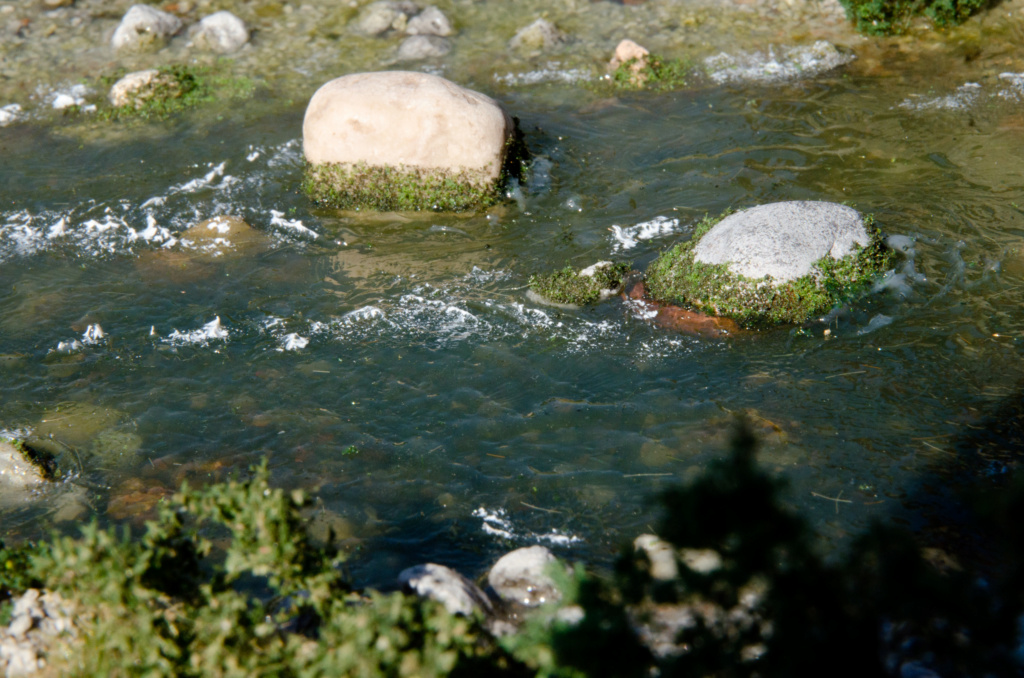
pixel 888 17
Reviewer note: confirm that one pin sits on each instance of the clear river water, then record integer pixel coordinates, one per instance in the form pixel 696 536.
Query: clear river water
pixel 392 364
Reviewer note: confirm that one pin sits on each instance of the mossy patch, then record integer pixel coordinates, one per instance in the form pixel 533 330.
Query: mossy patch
pixel 653 72
pixel 570 286
pixel 397 189
pixel 676 278
pixel 178 88
pixel 892 17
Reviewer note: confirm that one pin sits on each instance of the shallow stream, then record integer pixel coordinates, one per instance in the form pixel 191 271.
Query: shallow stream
pixel 392 364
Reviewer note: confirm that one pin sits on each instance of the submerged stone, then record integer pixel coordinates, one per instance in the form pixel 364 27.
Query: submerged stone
pixel 418 47
pixel 573 287
pixel 144 27
pixel 540 36
pixel 400 140
pixel 771 264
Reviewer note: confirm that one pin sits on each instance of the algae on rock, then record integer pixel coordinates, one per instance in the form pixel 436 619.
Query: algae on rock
pixel 580 287
pixel 676 277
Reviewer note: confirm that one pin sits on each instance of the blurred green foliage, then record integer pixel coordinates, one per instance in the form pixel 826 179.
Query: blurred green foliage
pixel 226 583
pixel 892 17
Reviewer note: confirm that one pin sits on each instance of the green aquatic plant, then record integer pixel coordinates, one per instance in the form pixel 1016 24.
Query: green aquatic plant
pixel 653 72
pixel 676 277
pixel 892 17
pixel 177 88
pixel 579 287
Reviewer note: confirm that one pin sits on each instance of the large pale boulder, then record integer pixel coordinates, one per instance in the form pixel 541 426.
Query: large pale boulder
pixel 144 27
pixel 776 263
pixel 782 240
pixel 388 140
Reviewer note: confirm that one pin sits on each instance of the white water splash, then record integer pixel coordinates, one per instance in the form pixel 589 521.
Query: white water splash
pixel 497 524
pixel 626 238
pixel 278 219
pixel 9 114
pixel 552 72
pixel 777 64
pixel 965 96
pixel 211 331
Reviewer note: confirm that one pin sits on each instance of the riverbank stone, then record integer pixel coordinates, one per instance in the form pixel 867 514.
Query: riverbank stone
pixel 522 577
pixel 446 586
pixel 431 21
pixel 379 17
pixel 144 27
pixel 399 140
pixel 18 476
pixel 221 32
pixel 776 263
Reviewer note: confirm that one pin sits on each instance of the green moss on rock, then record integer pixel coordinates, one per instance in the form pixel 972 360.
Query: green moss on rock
pixel 572 286
pixel 409 189
pixel 676 278
pixel 397 189
pixel 178 88
pixel 652 72
pixel 891 17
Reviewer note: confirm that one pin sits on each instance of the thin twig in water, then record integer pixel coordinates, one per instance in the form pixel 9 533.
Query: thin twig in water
pixel 647 475
pixel 538 508
pixel 845 374
pixel 836 499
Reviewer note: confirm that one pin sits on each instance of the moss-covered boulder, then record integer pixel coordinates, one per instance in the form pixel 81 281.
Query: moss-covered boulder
pixel 575 287
pixel 776 263
pixel 406 141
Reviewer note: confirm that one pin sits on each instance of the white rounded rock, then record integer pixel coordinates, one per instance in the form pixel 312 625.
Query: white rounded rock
pixel 782 240
pixel 143 26
pixel 431 21
pixel 128 89
pixel 399 118
pixel 220 32
pixel 521 577
pixel 446 586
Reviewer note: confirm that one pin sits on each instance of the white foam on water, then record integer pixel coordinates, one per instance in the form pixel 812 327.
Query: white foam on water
pixel 94 334
pixel 10 113
pixel 777 64
pixel 551 72
pixel 965 96
pixel 1014 90
pixel 211 331
pixel 496 524
pixel 626 238
pixel 293 342
pixel 278 219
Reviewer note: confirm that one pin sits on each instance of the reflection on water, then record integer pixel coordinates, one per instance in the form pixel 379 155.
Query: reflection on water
pixel 393 365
